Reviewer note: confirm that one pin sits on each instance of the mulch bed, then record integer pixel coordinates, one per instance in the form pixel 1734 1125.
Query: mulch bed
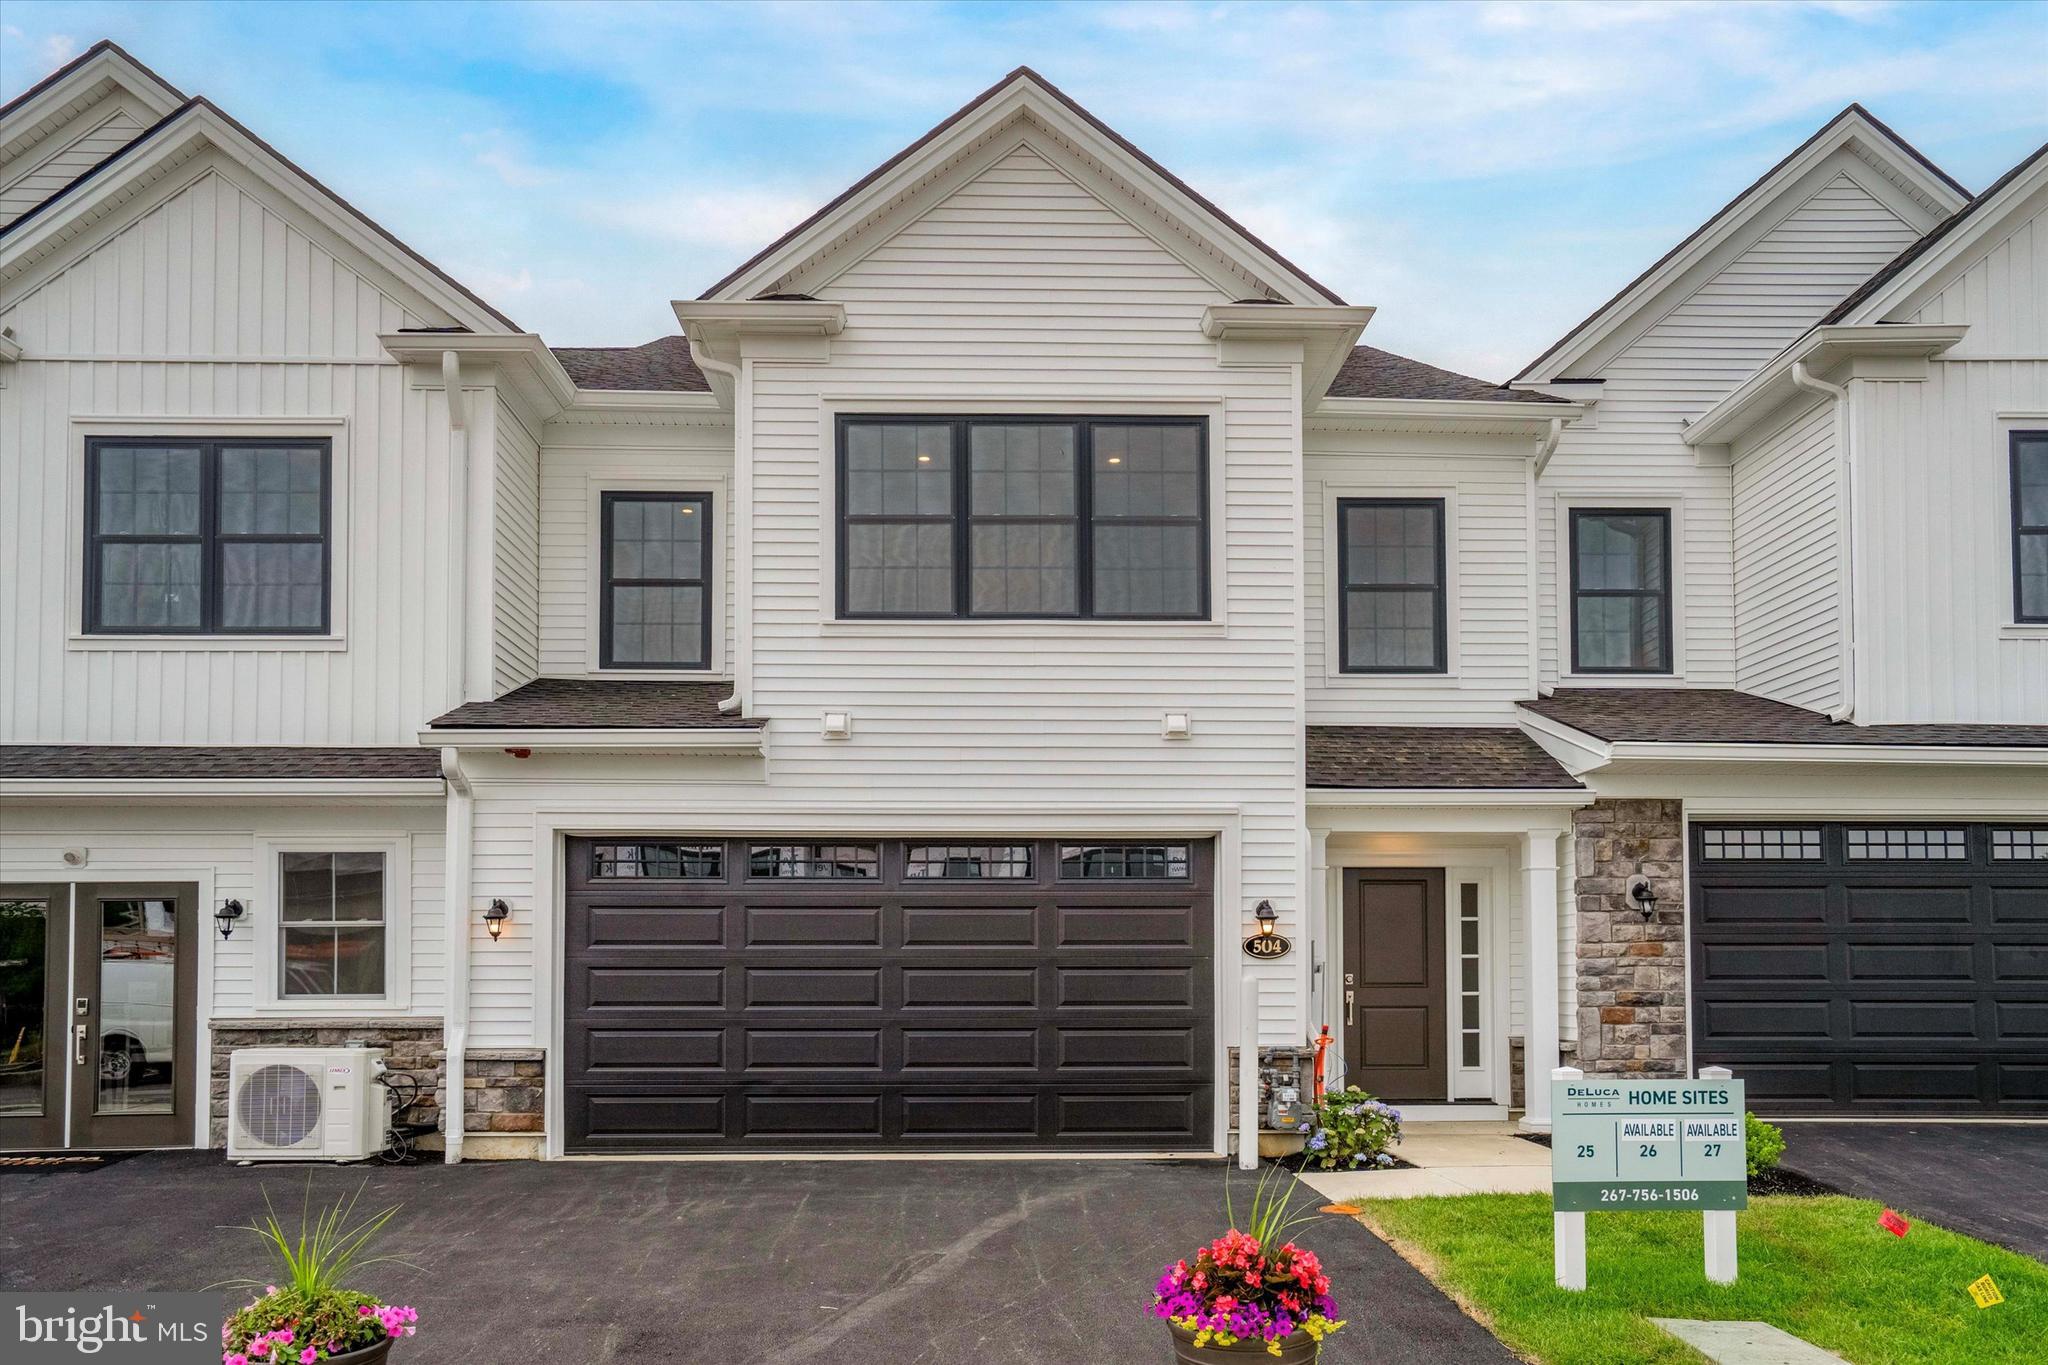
pixel 1777 1180
pixel 1303 1161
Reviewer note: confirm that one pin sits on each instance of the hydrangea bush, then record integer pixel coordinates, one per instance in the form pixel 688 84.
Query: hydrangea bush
pixel 1352 1131
pixel 1250 1286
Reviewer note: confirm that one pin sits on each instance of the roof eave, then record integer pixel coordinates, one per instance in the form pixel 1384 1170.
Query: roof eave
pixel 1424 414
pixel 731 739
pixel 1820 351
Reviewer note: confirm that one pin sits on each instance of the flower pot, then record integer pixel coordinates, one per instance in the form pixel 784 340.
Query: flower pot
pixel 362 1355
pixel 1296 1348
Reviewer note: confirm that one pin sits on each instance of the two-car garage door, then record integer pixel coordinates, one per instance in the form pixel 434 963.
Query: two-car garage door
pixel 1874 969
pixel 888 993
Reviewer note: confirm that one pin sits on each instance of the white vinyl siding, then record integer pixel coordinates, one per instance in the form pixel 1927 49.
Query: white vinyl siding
pixel 515 635
pixel 1705 342
pixel 1483 483
pixel 219 300
pixel 1787 540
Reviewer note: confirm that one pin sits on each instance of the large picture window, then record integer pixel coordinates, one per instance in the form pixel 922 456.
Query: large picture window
pixel 1390 568
pixel 1014 517
pixel 1621 591
pixel 2030 525
pixel 657 581
pixel 226 537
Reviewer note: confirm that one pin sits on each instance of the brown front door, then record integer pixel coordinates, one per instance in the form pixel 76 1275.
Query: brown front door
pixel 98 984
pixel 1394 982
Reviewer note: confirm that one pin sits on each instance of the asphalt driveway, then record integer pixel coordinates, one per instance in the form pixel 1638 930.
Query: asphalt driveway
pixel 1989 1180
pixel 739 1263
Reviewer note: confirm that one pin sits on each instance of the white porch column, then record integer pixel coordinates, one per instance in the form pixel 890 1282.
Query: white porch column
pixel 1539 946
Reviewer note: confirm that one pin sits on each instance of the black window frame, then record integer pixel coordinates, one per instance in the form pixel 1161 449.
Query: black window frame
pixel 1666 664
pixel 2021 530
pixel 210 539
pixel 962 518
pixel 1345 587
pixel 607 581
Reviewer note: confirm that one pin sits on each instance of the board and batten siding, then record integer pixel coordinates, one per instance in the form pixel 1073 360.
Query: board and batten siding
pixel 88 137
pixel 582 458
pixel 1788 597
pixel 1704 344
pixel 218 299
pixel 216 843
pixel 1486 565
pixel 1938 641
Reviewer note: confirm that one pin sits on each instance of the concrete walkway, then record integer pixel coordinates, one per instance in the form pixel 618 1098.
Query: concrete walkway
pixel 1449 1158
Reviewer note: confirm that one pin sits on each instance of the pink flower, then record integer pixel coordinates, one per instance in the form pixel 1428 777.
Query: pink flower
pixel 260 1346
pixel 234 1358
pixel 308 1356
pixel 269 1289
pixel 364 1310
pixel 283 1338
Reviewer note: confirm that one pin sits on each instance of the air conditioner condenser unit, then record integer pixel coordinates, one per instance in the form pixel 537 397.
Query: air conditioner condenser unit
pixel 307 1104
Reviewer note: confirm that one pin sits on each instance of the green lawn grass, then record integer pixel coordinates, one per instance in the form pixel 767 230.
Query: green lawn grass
pixel 1821 1269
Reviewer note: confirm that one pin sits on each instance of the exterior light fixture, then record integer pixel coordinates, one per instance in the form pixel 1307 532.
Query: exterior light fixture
pixel 1641 896
pixel 495 916
pixel 225 917
pixel 1267 917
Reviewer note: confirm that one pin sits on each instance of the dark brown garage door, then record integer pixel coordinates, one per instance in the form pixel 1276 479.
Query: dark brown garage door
pixel 1874 968
pixel 865 994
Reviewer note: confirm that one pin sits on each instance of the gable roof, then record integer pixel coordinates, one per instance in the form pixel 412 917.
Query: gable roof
pixel 104 52
pixel 1841 129
pixel 191 117
pixel 1899 264
pixel 1022 76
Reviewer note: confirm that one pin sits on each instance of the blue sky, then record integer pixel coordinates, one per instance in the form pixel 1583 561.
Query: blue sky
pixel 1485 173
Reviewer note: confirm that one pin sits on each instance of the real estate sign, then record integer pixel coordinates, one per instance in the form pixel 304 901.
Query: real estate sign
pixel 1647 1144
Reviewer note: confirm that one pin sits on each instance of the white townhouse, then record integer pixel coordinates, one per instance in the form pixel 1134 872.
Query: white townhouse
pixel 876 715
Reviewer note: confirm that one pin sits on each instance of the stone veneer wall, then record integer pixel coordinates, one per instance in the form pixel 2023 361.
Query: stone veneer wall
pixel 410 1045
pixel 1631 974
pixel 502 1092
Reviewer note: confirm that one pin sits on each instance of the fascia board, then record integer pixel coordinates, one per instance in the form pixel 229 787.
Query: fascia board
pixel 1849 130
pixel 1821 349
pixel 1918 754
pixel 644 400
pixel 1490 797
pixel 762 317
pixel 111 66
pixel 535 371
pixel 1421 414
pixel 734 739
pixel 1931 270
pixel 20 790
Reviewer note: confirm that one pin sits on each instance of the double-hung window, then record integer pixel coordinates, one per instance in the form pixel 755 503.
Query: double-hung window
pixel 1390 571
pixel 2030 526
pixel 1621 591
pixel 1024 518
pixel 332 915
pixel 227 537
pixel 657 581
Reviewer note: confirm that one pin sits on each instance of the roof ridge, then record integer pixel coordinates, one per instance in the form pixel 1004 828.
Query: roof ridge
pixel 103 45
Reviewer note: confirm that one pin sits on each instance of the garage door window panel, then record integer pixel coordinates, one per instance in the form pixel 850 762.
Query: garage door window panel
pixel 813 862
pixel 1124 862
pixel 2019 845
pixel 1866 844
pixel 658 861
pixel 969 862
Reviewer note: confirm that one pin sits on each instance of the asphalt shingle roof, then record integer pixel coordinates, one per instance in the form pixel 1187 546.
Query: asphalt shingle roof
pixel 662 365
pixel 1371 373
pixel 1702 715
pixel 600 704
pixel 1430 756
pixel 261 762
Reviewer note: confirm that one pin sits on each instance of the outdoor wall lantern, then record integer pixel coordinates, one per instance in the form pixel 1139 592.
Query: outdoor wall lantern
pixel 225 917
pixel 1640 894
pixel 1267 917
pixel 495 915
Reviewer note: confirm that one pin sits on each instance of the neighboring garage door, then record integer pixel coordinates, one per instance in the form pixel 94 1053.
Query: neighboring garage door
pixel 906 994
pixel 1874 968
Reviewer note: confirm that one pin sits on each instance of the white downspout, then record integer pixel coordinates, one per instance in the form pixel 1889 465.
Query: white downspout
pixel 1545 448
pixel 455 913
pixel 458 518
pixel 1845 545
pixel 741 519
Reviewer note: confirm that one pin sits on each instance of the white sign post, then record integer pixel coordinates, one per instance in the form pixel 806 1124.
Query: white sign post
pixel 1646 1143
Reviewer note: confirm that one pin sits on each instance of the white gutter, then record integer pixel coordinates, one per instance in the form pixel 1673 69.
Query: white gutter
pixel 455 914
pixel 732 739
pixel 1845 544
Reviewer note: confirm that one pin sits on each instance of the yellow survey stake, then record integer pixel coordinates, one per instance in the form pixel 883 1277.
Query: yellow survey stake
pixel 1985 1291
